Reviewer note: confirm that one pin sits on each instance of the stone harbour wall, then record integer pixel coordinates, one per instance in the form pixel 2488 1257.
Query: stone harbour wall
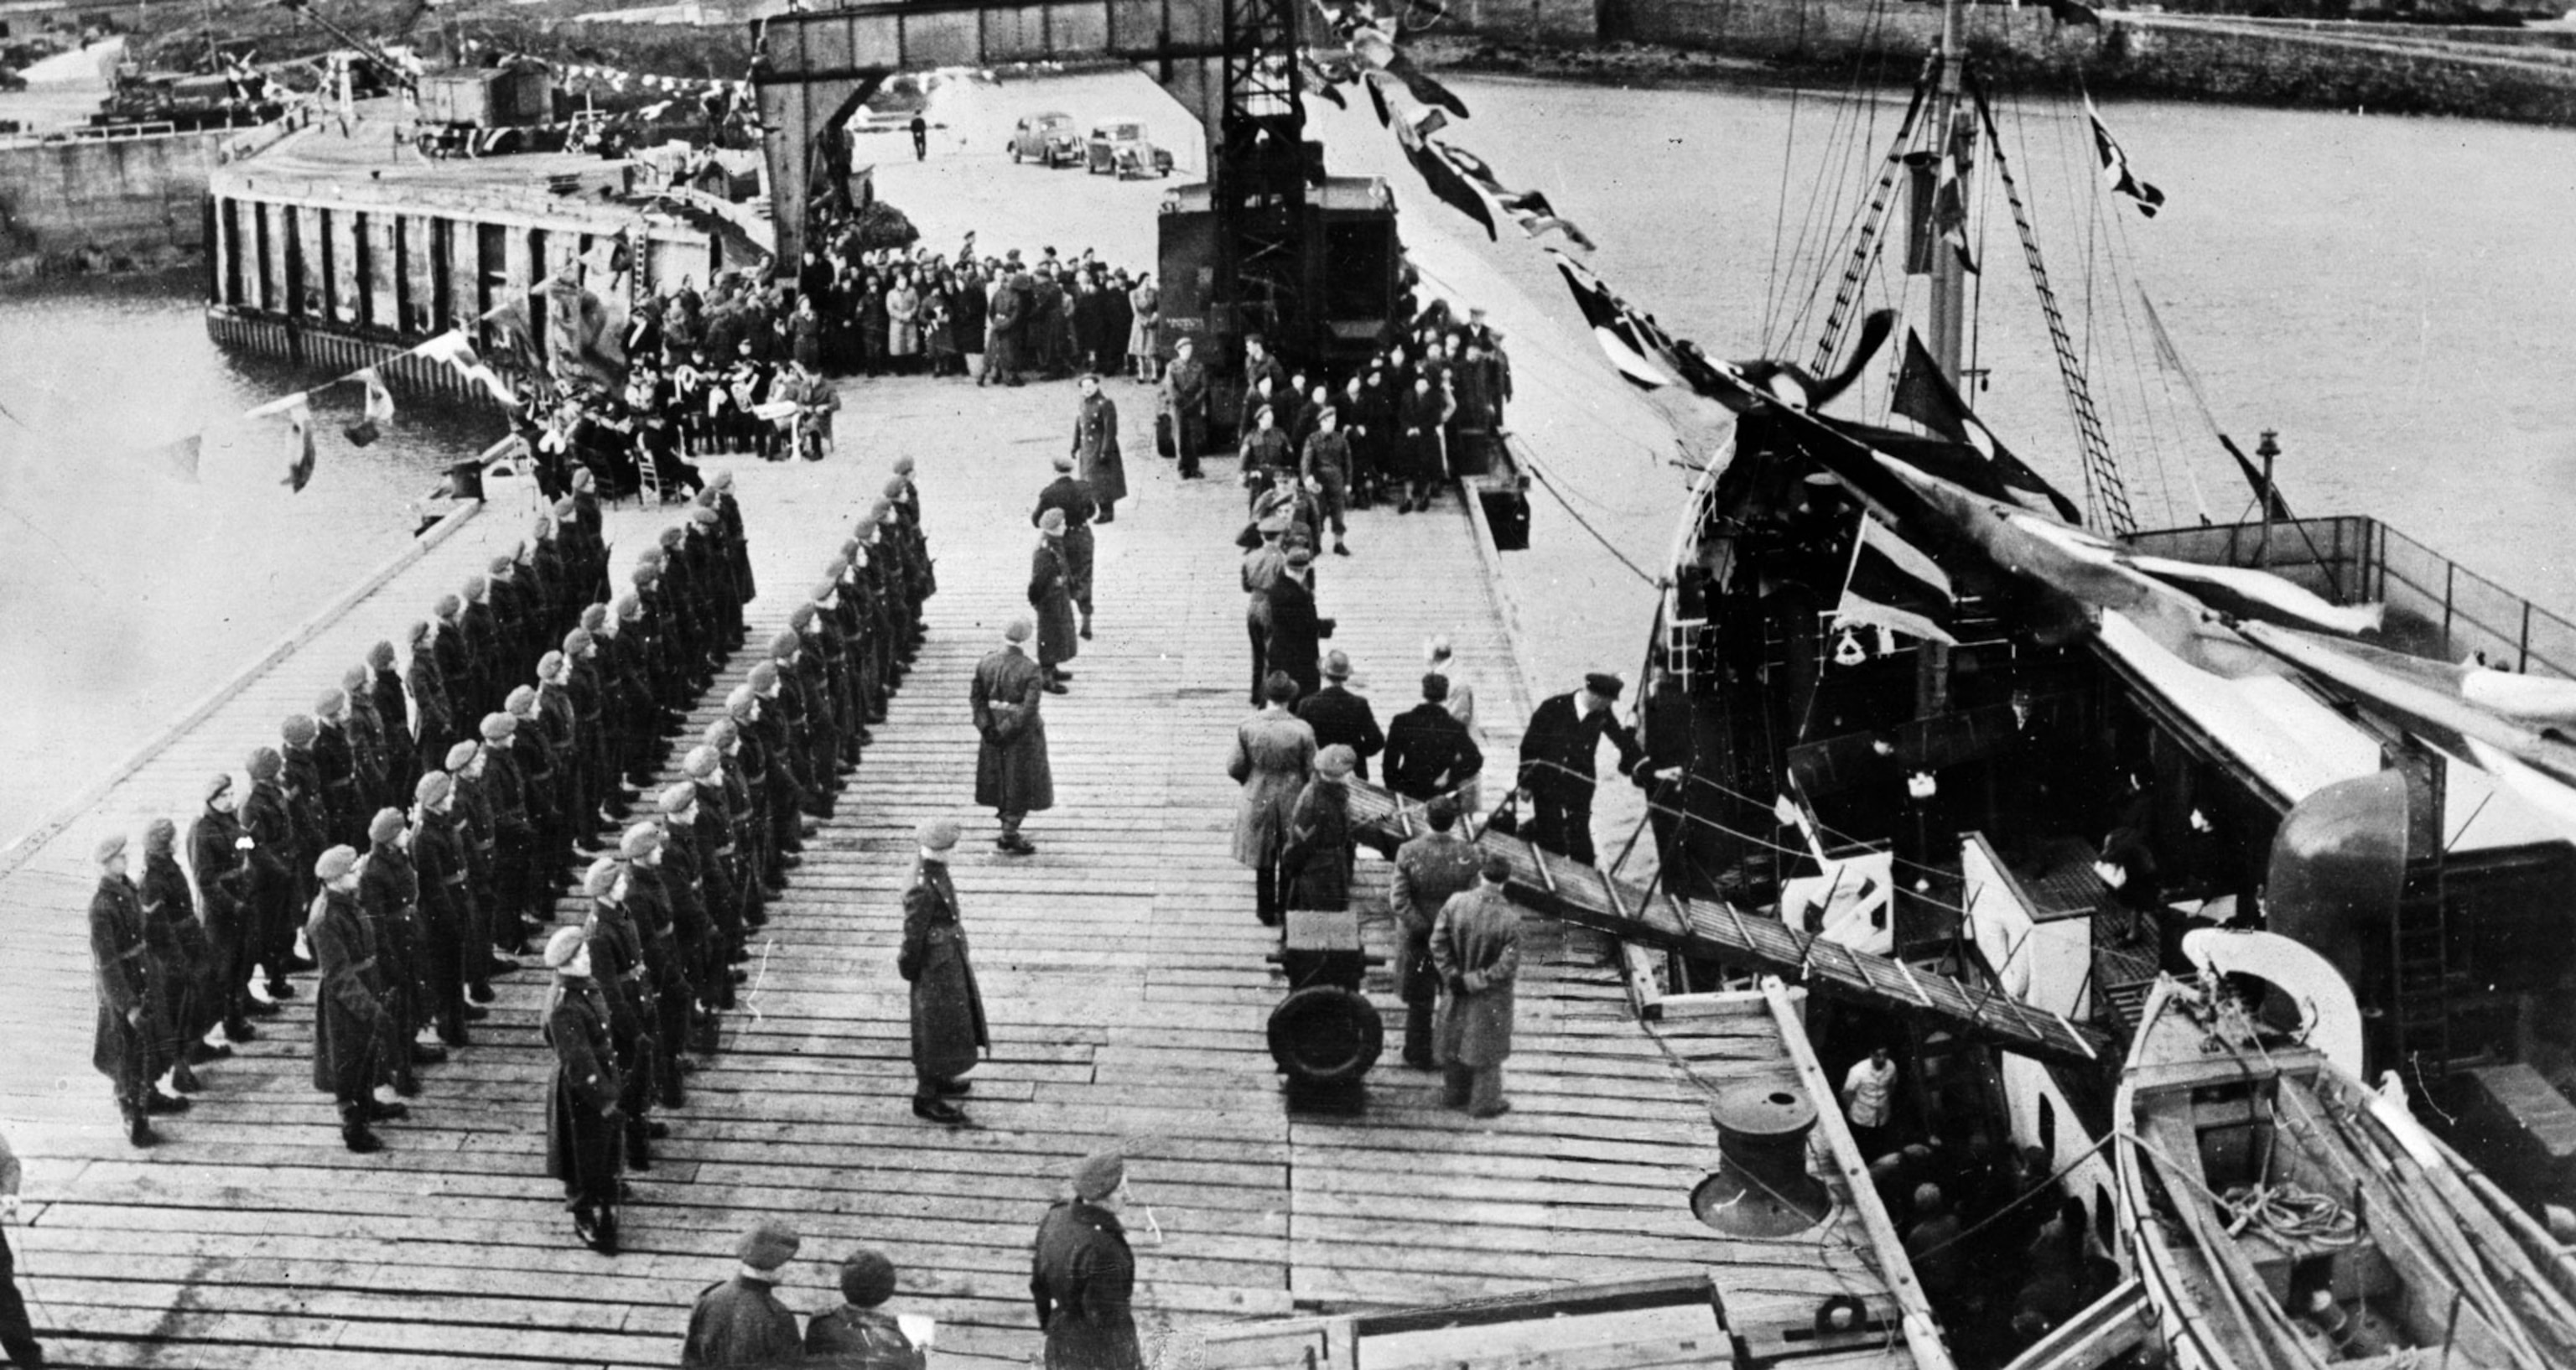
pixel 103 203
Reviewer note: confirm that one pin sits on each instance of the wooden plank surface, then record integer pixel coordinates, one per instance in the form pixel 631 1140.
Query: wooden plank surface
pixel 1123 972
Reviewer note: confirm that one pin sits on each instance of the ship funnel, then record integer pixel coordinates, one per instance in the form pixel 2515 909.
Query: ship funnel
pixel 1762 1188
pixel 2338 863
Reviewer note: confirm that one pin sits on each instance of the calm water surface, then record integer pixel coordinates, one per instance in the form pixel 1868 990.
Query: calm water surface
pixel 2394 296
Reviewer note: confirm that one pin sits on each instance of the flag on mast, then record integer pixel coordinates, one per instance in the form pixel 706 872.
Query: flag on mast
pixel 2115 166
pixel 1891 584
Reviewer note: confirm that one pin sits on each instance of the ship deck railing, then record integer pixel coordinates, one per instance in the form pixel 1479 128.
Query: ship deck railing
pixel 2437 608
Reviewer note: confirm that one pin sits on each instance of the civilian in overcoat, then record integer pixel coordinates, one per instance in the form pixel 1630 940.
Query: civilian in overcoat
pixel 1274 753
pixel 1476 947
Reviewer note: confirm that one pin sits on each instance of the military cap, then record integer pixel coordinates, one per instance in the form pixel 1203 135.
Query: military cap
pixel 678 796
pixel 723 480
pixel 159 834
pixel 785 644
pixel 381 656
pixel 563 946
pixel 264 763
pixel 593 616
pixel 418 634
pixel 108 849
pixel 337 862
pixel 522 700
pixel 835 570
pixel 740 700
pixel 601 877
pixel 551 664
pixel 1051 522
pixel 1064 461
pixel 1604 684
pixel 385 826
pixel 498 727
pixel 867 1279
pixel 937 834
pixel 768 1245
pixel 582 480
pixel 447 606
pixel 895 487
pixel 564 508
pixel 1336 761
pixel 476 587
pixel 850 550
pixel 825 590
pixel 650 555
pixel 218 783
pixel 577 642
pixel 703 517
pixel 1301 555
pixel 878 511
pixel 903 466
pixel 643 575
pixel 701 762
pixel 629 608
pixel 502 567
pixel 724 732
pixel 330 703
pixel 433 787
pixel 639 840
pixel 1337 665
pixel 1098 1175
pixel 462 755
pixel 298 730
pixel 1274 523
pixel 672 535
pixel 1018 629
pixel 543 527
pixel 763 679
pixel 798 617
pixel 354 679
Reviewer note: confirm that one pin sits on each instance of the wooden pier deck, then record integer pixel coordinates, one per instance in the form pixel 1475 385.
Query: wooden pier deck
pixel 1122 969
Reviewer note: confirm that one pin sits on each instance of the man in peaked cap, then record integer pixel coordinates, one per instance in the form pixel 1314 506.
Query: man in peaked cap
pixel 1262 568
pixel 1082 1275
pixel 1557 759
pixel 355 1034
pixel 1051 596
pixel 948 1029
pixel 1012 770
pixel 1072 499
pixel 123 1049
pixel 740 1322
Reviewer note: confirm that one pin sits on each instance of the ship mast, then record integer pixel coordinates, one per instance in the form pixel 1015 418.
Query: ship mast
pixel 1957 131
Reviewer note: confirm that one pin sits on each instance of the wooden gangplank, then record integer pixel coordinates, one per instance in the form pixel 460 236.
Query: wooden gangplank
pixel 1563 888
pixel 1124 976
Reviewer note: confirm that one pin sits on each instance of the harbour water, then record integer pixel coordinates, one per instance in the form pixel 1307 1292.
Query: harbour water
pixel 2390 294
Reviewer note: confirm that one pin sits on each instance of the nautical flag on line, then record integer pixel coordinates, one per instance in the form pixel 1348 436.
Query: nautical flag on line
pixel 1536 217
pixel 179 458
pixel 1441 174
pixel 1612 327
pixel 2115 166
pixel 1893 585
pixel 379 410
pixel 452 349
pixel 1925 397
pixel 299 446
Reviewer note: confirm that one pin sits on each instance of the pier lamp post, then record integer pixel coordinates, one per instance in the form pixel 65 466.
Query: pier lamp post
pixel 2267 449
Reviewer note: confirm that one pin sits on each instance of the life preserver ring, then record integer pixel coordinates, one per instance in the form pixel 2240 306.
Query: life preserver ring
pixel 1325 1035
pixel 1855 1315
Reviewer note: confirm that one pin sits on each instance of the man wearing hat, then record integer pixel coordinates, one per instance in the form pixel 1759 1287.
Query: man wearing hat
pixel 1012 771
pixel 219 855
pixel 458 669
pixel 948 1030
pixel 481 629
pixel 1274 754
pixel 1296 629
pixel 514 835
pixel 648 902
pixel 1184 396
pixel 1428 751
pixel 123 1049
pixel 1557 759
pixel 1051 595
pixel 366 732
pixel 1262 568
pixel 178 961
pixel 740 1322
pixel 355 1035
pixel 617 958
pixel 389 899
pixel 1315 867
pixel 301 778
pixel 270 824
pixel 1476 950
pixel 582 1120
pixel 1095 447
pixel 474 835
pixel 859 1335
pixel 1071 497
pixel 1341 717
pixel 1083 1276
pixel 1429 868
pixel 431 701
pixel 446 910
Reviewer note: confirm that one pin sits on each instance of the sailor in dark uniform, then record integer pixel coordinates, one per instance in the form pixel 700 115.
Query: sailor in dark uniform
pixel 1557 755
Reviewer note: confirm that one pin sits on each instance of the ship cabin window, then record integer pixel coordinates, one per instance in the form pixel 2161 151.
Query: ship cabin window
pixel 2048 1131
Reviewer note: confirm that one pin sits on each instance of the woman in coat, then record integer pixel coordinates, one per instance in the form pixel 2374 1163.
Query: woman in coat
pixel 1317 862
pixel 1274 753
pixel 1012 774
pixel 870 314
pixel 1419 413
pixel 582 1120
pixel 1051 595
pixel 1147 302
pixel 903 322
pixel 948 1029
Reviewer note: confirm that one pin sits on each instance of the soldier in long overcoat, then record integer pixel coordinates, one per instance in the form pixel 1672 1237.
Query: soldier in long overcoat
pixel 353 1025
pixel 1274 753
pixel 1476 947
pixel 122 1050
pixel 1184 396
pixel 1011 768
pixel 948 1030
pixel 1095 448
pixel 583 1126
pixel 1296 630
pixel 1317 862
pixel 179 957
pixel 1082 1274
pixel 1072 496
pixel 1051 595
pixel 219 854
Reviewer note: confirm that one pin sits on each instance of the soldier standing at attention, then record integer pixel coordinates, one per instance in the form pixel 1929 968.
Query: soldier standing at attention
pixel 219 853
pixel 17 1335
pixel 1083 1276
pixel 123 1049
pixel 1051 595
pixel 1185 398
pixel 1095 447
pixel 1011 769
pixel 582 1112
pixel 353 1022
pixel 1476 947
pixel 740 1322
pixel 1557 757
pixel 1073 497
pixel 948 1028
pixel 1428 869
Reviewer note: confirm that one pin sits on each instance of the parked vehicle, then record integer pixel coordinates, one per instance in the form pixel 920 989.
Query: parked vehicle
pixel 1048 139
pixel 1121 148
